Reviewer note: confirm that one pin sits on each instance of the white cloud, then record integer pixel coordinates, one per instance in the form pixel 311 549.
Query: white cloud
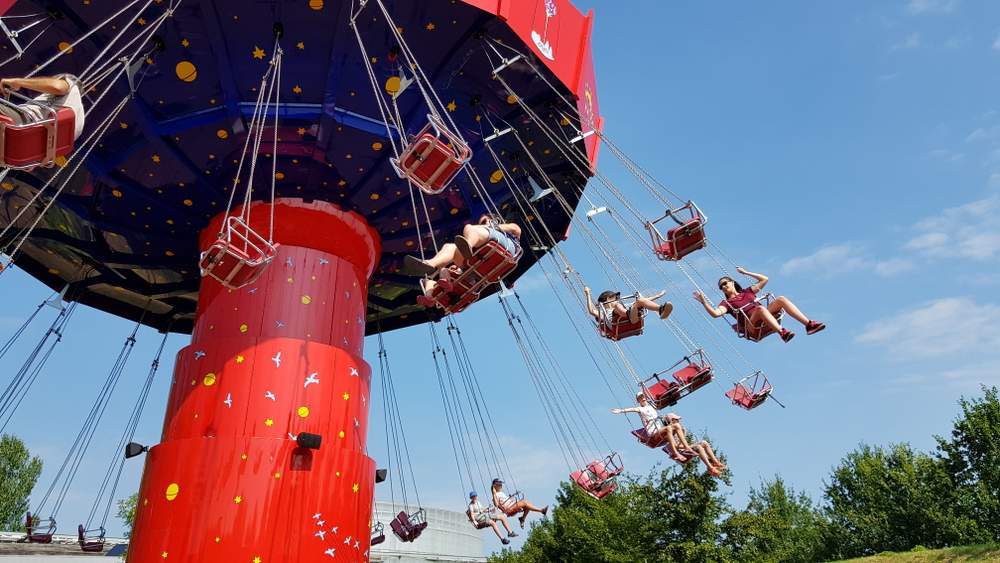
pixel 996 44
pixel 946 154
pixel 931 6
pixel 968 231
pixel 940 328
pixel 911 41
pixel 984 134
pixel 837 259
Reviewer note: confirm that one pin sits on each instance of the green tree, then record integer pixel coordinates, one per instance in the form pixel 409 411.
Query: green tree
pixel 19 472
pixel 126 512
pixel 778 524
pixel 670 515
pixel 893 499
pixel 972 457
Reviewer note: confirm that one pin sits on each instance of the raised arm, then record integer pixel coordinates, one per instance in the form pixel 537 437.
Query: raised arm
pixel 625 410
pixel 761 279
pixel 712 310
pixel 44 84
pixel 590 304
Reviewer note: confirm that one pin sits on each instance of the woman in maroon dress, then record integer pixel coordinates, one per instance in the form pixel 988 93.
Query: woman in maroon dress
pixel 742 304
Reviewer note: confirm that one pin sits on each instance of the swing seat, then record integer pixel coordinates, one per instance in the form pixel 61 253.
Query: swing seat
pixel 378 534
pixel 683 239
pixel 621 328
pixel 512 500
pixel 238 257
pixel 39 143
pixel 91 541
pixel 433 158
pixel 489 264
pixel 746 397
pixel 408 527
pixel 681 456
pixel 598 478
pixel 695 374
pixel 41 531
pixel 643 437
pixel 755 332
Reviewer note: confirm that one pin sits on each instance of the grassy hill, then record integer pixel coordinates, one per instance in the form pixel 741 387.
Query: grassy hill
pixel 988 552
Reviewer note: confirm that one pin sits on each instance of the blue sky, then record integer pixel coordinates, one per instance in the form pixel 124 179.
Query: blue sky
pixel 850 150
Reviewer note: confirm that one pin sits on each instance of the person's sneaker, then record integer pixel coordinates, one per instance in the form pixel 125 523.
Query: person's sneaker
pixel 812 327
pixel 464 248
pixel 666 309
pixel 512 535
pixel 545 511
pixel 417 267
pixel 787 335
pixel 505 541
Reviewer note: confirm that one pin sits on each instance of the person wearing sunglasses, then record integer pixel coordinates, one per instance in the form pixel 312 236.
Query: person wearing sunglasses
pixel 742 304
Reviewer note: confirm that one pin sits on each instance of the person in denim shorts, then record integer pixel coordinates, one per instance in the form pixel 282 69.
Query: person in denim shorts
pixel 507 235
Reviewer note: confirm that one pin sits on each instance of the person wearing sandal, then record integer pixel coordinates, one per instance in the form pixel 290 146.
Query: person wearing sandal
pixel 738 299
pixel 510 507
pixel 483 517
pixel 685 451
pixel 507 235
pixel 609 309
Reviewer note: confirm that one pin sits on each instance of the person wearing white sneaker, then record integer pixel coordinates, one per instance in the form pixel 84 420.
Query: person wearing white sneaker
pixel 483 517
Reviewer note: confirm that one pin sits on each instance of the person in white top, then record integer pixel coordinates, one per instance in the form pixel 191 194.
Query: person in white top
pixel 657 432
pixel 509 506
pixel 610 311
pixel 482 517
pixel 62 90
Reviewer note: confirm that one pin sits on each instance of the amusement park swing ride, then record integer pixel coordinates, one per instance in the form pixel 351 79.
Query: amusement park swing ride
pixel 254 175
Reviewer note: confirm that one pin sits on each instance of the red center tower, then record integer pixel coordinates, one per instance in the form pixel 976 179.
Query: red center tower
pixel 267 362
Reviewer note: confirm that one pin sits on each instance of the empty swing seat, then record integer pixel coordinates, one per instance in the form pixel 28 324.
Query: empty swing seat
pixel 378 534
pixel 489 264
pixel 408 527
pixel 91 541
pixel 683 239
pixel 748 398
pixel 433 158
pixel 238 257
pixel 695 374
pixel 41 531
pixel 38 143
pixel 599 478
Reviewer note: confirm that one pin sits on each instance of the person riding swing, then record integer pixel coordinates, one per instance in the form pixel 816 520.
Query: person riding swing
pixel 487 517
pixel 511 506
pixel 62 90
pixel 610 310
pixel 742 304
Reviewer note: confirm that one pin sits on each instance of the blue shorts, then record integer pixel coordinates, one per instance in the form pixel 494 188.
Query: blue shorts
pixel 504 240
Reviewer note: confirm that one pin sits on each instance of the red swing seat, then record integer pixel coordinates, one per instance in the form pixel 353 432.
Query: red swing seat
pixel 38 143
pixel 378 534
pixel 683 239
pixel 91 541
pixel 755 332
pixel 643 437
pixel 46 525
pixel 617 327
pixel 489 264
pixel 238 257
pixel 682 456
pixel 512 500
pixel 408 527
pixel 433 158
pixel 599 478
pixel 752 395
pixel 695 374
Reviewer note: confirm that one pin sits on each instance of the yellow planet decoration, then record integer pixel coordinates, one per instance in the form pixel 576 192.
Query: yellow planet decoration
pixel 222 134
pixel 303 412
pixel 209 379
pixel 173 489
pixel 306 300
pixel 244 327
pixel 316 4
pixel 186 71
pixel 7 186
pixel 512 99
pixel 65 47
pixel 377 146
pixel 496 176
pixel 392 85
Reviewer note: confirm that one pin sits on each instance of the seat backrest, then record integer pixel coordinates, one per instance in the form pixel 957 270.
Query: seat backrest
pixel 598 470
pixel 739 394
pixel 641 435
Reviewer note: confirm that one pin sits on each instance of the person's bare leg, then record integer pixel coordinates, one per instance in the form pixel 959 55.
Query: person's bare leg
pixel 784 303
pixel 444 257
pixel 668 434
pixel 698 449
pixel 506 525
pixel 681 435
pixel 428 286
pixel 496 530
pixel 711 455
pixel 476 235
pixel 764 315
pixel 527 506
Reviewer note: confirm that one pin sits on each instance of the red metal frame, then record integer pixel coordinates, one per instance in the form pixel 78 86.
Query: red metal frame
pixel 752 395
pixel 228 482
pixel 621 327
pixel 39 143
pixel 433 158
pixel 755 332
pixel 683 239
pixel 696 373
pixel 238 257
pixel 91 541
pixel 489 264
pixel 49 524
pixel 599 478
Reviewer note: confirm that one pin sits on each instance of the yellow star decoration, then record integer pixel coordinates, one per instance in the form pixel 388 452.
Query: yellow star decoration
pixel 430 26
pixel 155 158
pixel 355 488
pixel 238 499
pixel 452 106
pixel 217 539
pixel 185 43
pixel 258 53
pixel 347 396
pixel 277 475
pixel 163 555
pixel 123 125
pixel 297 89
pixel 300 45
pixel 256 559
pixel 239 359
pixel 301 131
pixel 141 21
pixel 268 422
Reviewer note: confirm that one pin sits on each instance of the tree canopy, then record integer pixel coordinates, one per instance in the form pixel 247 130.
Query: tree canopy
pixel 19 472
